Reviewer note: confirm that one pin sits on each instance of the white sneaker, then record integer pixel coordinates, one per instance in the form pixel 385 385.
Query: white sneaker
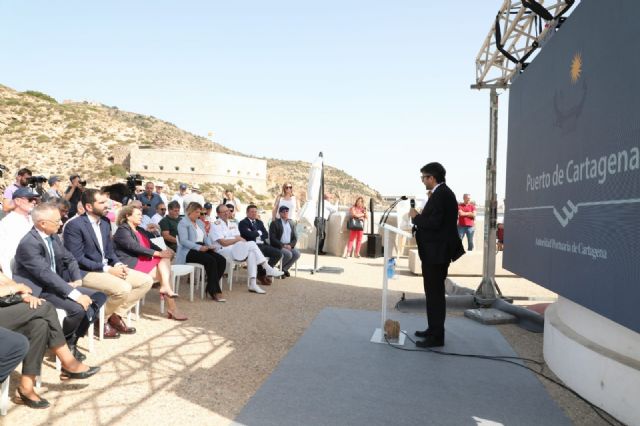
pixel 255 288
pixel 271 271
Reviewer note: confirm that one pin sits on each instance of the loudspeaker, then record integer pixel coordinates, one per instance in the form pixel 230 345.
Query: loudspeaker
pixel 374 245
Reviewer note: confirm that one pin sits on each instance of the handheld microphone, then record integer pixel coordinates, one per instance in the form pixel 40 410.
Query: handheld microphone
pixel 412 203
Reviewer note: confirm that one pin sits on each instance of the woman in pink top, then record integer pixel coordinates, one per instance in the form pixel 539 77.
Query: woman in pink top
pixel 359 211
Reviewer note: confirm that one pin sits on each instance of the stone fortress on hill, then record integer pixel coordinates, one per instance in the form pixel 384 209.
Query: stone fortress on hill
pixel 198 166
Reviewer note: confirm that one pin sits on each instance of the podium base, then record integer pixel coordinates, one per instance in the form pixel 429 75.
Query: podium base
pixel 378 337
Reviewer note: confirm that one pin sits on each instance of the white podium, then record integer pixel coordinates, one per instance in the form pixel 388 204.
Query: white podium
pixel 378 334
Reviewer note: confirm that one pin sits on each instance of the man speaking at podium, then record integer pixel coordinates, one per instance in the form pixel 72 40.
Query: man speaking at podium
pixel 438 245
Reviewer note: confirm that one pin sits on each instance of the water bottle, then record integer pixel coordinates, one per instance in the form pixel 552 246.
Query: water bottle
pixel 391 268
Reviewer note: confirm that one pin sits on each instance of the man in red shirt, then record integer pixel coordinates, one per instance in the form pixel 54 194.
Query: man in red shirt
pixel 466 220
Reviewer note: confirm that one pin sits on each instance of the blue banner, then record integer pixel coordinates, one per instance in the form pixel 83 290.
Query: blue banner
pixel 572 216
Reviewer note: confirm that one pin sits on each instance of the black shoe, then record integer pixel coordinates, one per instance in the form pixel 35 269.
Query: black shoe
pixel 43 403
pixel 422 333
pixel 286 274
pixel 431 342
pixel 322 253
pixel 81 375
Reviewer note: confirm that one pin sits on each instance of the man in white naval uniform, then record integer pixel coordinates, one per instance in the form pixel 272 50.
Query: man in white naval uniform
pixel 228 242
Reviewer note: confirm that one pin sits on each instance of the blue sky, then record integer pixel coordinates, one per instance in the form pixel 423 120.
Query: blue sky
pixel 380 87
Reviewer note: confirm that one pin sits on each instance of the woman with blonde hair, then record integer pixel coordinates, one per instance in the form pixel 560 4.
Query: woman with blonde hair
pixel 286 198
pixel 134 248
pixel 357 218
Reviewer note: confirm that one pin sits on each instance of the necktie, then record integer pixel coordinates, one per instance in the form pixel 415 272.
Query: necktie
pixel 51 253
pixel 429 192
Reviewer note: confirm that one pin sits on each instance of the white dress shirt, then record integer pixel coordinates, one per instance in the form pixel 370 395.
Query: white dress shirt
pixel 95 224
pixel 286 232
pixel 13 227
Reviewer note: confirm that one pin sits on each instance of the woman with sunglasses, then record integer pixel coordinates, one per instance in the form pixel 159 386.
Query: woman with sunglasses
pixel 286 198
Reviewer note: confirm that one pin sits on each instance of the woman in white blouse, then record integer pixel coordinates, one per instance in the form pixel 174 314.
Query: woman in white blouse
pixel 286 198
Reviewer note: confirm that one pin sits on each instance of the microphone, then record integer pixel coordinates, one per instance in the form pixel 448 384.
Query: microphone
pixel 387 212
pixel 412 203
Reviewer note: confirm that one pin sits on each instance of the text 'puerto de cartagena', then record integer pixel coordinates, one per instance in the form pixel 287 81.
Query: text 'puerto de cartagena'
pixel 596 169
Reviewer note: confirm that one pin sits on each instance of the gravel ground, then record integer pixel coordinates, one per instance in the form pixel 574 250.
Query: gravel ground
pixel 204 371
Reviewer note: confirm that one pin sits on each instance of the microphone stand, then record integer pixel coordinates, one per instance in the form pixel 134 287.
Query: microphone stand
pixel 387 212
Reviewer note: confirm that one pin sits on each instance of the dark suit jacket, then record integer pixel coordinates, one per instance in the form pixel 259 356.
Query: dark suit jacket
pixel 436 228
pixel 33 262
pixel 250 232
pixel 81 241
pixel 276 229
pixel 128 247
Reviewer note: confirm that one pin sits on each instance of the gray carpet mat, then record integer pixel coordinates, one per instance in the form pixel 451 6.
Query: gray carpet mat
pixel 335 376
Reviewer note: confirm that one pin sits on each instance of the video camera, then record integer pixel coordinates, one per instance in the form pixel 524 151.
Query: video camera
pixel 133 181
pixel 36 182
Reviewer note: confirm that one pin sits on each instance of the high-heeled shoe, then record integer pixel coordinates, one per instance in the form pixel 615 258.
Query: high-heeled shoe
pixel 42 403
pixel 164 294
pixel 215 297
pixel 176 316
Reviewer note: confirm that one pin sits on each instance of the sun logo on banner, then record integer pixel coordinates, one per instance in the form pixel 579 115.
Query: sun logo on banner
pixel 576 67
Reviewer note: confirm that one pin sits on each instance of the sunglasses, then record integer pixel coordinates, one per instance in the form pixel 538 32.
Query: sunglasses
pixel 288 187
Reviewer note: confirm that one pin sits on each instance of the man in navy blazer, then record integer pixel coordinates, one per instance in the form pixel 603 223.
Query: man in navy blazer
pixel 438 245
pixel 54 275
pixel 88 238
pixel 252 229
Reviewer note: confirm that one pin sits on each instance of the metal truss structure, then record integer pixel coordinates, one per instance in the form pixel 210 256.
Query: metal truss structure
pixel 520 28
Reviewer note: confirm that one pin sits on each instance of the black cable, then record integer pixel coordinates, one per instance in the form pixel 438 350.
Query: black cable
pixel 507 359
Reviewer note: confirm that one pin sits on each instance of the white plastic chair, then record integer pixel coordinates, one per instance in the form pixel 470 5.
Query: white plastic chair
pixel 4 396
pixel 231 266
pixel 178 271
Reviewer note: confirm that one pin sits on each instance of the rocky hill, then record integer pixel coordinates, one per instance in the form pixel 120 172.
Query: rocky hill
pixel 52 138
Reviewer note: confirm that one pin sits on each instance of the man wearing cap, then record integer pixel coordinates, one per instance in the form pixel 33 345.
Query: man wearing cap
pixel 438 246
pixel 160 192
pixel 73 194
pixel 53 193
pixel 179 197
pixel 228 242
pixel 15 225
pixel 282 236
pixel 253 229
pixel 149 200
pixel 22 181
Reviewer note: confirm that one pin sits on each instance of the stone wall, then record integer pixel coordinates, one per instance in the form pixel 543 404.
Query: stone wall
pixel 199 167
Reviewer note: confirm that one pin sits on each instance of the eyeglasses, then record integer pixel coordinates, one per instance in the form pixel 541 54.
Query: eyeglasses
pixel 288 187
pixel 163 210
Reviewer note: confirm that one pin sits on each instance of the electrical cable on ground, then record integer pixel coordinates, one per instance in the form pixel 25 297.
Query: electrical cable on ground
pixel 508 359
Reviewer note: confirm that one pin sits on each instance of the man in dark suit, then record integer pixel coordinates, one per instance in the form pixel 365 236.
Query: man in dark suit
pixel 88 238
pixel 54 275
pixel 284 238
pixel 438 245
pixel 252 229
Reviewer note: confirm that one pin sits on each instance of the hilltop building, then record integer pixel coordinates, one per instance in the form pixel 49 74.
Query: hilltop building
pixel 199 167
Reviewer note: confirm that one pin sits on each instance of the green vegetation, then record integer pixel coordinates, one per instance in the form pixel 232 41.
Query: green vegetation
pixel 117 170
pixel 40 95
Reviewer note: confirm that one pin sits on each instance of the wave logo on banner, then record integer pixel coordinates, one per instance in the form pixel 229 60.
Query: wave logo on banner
pixel 568 107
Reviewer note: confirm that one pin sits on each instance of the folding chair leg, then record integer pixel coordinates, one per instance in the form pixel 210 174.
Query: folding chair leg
pixel 4 397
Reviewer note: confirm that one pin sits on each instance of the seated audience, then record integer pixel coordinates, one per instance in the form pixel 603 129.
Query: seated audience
pixel 161 211
pixel 89 240
pixel 205 216
pixel 232 213
pixel 228 242
pixel 169 225
pixel 282 235
pixel 54 275
pixel 194 246
pixel 253 229
pixel 36 320
pixel 22 181
pixel 63 207
pixel 15 225
pixel 134 248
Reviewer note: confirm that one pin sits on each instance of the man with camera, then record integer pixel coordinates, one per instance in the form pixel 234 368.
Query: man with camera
pixel 73 193
pixel 23 178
